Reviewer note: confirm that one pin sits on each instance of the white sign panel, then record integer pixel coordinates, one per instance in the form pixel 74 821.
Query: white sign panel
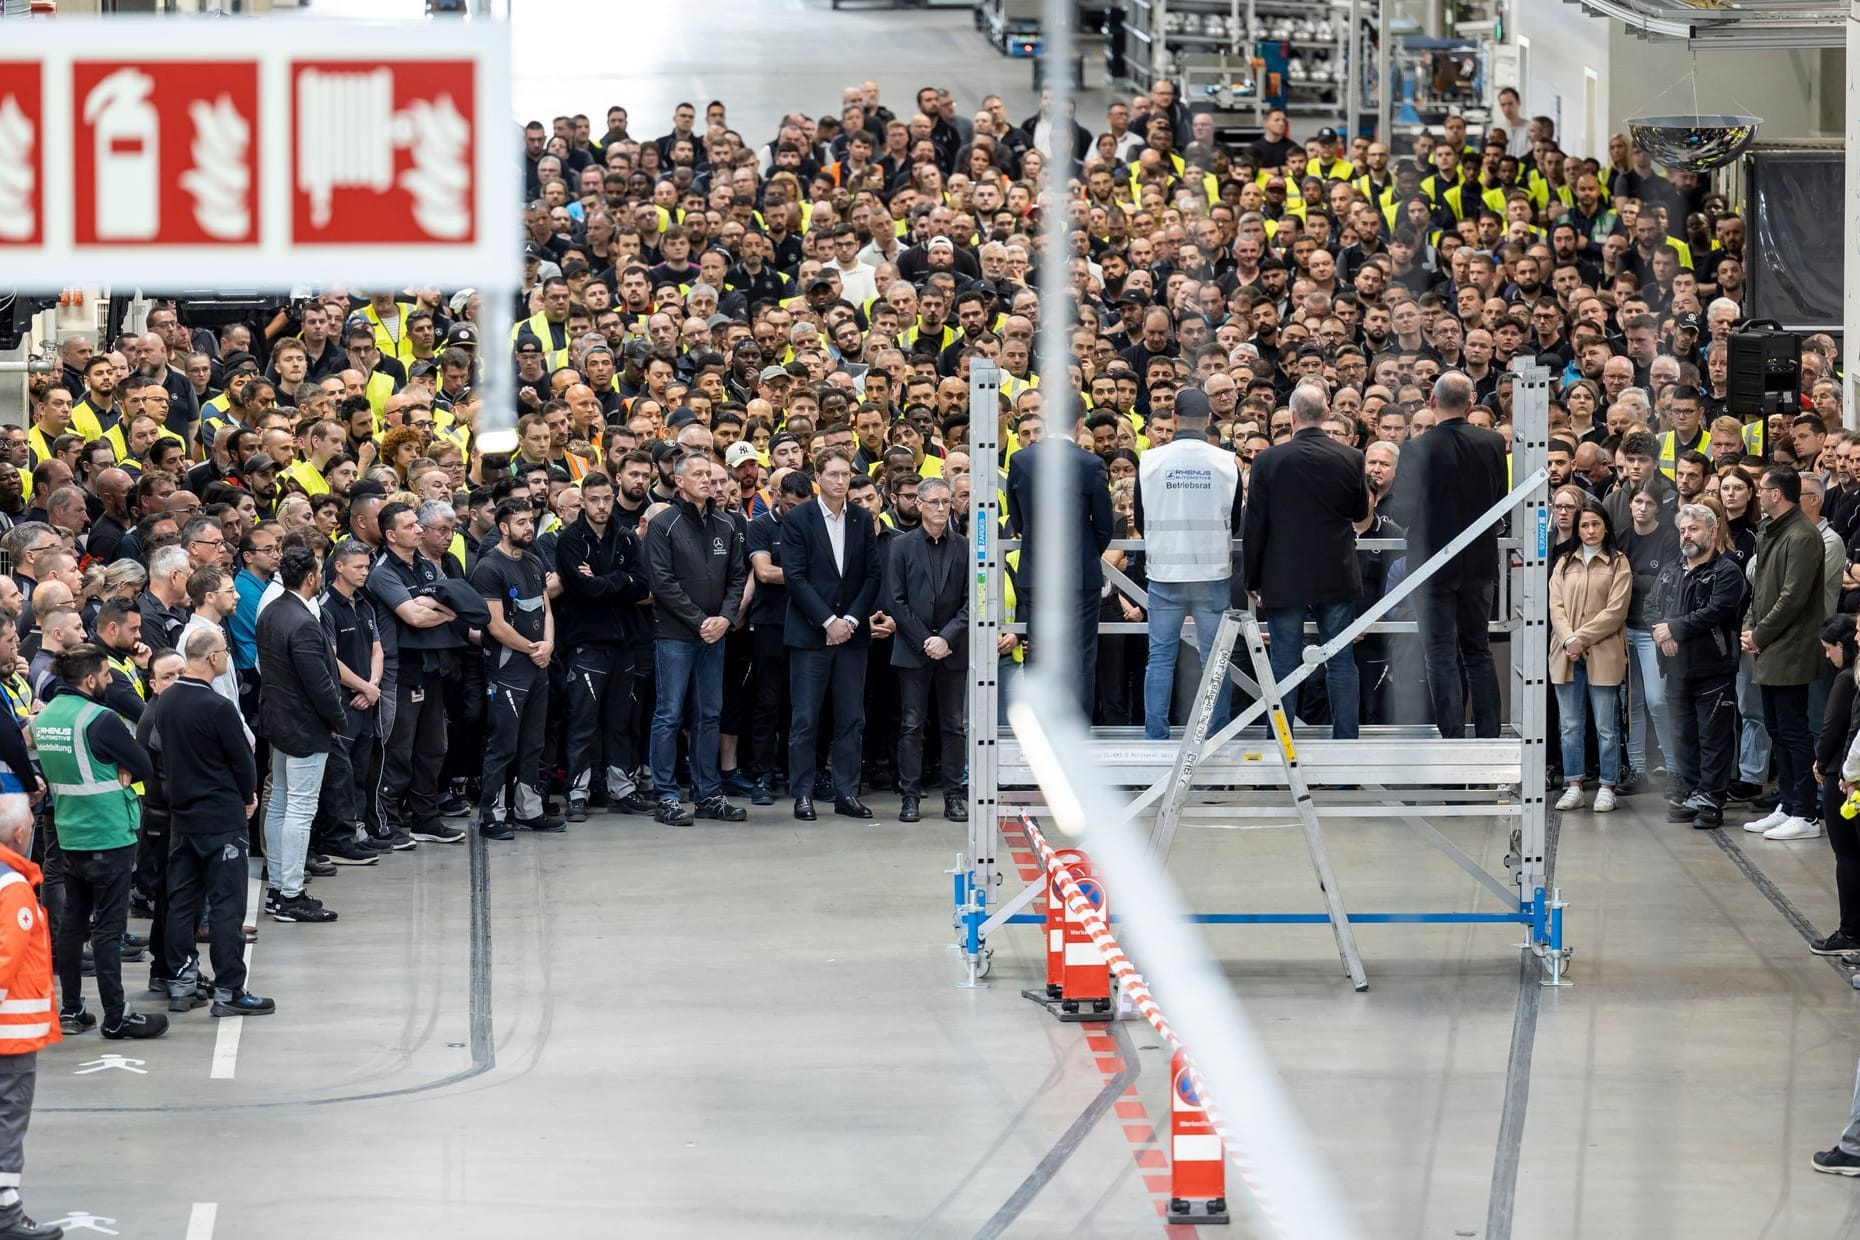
pixel 184 153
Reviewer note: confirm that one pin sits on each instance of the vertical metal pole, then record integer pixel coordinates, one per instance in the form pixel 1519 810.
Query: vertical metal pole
pixel 1850 294
pixel 1385 66
pixel 1530 428
pixel 1054 587
pixel 986 599
pixel 1352 72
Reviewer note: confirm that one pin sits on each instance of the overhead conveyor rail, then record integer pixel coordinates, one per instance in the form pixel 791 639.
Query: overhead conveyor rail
pixel 1403 775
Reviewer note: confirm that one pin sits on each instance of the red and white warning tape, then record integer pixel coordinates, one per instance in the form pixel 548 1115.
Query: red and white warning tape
pixel 1130 982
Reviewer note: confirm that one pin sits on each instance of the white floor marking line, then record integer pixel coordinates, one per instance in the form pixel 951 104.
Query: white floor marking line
pixel 226 1039
pixel 201 1219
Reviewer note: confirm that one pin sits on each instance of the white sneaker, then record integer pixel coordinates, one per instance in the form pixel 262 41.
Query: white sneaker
pixel 1604 800
pixel 1571 798
pixel 1775 818
pixel 1795 829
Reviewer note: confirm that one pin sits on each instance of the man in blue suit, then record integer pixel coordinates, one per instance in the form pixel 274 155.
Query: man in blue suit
pixel 1087 510
pixel 830 567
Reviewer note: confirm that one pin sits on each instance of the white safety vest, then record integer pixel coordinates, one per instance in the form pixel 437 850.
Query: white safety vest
pixel 1188 501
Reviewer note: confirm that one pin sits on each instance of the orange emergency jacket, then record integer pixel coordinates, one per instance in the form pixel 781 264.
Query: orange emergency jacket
pixel 27 1019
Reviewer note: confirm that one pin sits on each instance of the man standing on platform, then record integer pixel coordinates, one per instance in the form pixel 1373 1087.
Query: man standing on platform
pixel 1188 510
pixel 1307 494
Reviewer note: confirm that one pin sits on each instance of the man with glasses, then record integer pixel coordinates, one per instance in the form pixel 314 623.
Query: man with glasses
pixel 928 601
pixel 379 377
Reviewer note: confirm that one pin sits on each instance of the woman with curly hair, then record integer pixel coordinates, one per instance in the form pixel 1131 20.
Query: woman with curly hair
pixel 400 447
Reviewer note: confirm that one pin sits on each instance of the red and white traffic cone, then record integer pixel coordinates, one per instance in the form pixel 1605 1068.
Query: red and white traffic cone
pixel 1197 1166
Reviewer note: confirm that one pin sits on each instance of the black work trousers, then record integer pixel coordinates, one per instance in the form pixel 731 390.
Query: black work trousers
pixel 769 711
pixel 812 676
pixel 600 720
pixel 1082 660
pixel 416 748
pixel 97 904
pixel 1458 651
pixel 152 856
pixel 206 877
pixel 516 711
pixel 1703 710
pixel 916 686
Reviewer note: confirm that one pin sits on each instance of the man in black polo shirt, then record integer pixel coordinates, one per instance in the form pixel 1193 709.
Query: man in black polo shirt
pixel 404 584
pixel 768 612
pixel 349 619
pixel 520 638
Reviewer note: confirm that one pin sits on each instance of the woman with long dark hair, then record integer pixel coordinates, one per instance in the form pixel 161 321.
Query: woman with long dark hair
pixel 1589 593
pixel 1835 756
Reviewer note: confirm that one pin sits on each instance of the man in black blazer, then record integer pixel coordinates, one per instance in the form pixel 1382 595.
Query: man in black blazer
pixel 1452 474
pixel 300 713
pixel 1087 510
pixel 1304 499
pixel 928 590
pixel 830 567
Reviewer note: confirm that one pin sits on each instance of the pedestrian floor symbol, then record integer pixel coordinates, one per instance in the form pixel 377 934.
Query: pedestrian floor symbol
pixel 104 1063
pixel 83 1220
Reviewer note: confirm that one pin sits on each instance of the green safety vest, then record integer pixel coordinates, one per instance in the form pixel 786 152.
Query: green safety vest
pixel 94 811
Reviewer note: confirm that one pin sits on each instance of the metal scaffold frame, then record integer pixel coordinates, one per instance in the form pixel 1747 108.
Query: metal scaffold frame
pixel 1401 773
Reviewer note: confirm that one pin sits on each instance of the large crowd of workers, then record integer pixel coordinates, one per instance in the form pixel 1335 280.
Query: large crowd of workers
pixel 267 562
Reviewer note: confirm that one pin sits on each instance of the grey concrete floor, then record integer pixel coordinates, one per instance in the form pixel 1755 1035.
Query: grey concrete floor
pixel 756 1030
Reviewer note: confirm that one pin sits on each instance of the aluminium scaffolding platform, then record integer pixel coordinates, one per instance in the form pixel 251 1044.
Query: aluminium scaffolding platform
pixel 1401 775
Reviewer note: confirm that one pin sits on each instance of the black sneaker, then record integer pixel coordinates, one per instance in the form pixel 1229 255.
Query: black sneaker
pixel 454 806
pixel 762 793
pixel 141 905
pixel 634 802
pixel 376 844
pixel 1741 791
pixel 577 811
pixel 1708 818
pixel 24 1228
pixel 301 908
pixel 400 841
pixel 272 897
pixel 547 824
pixel 1680 811
pixel 1836 1161
pixel 496 830
pixel 187 1002
pixel 719 808
pixel 672 814
pixel 74 1023
pixel 244 1004
pixel 350 852
pixel 738 781
pixel 1837 944
pixel 438 833
pixel 136 1025
pixel 318 867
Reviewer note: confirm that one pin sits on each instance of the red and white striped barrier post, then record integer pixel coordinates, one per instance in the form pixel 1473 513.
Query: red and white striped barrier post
pixel 1197 1165
pixel 1056 923
pixel 1131 983
pixel 1087 979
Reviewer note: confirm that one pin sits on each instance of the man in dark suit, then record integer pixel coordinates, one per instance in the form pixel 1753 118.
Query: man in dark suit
pixel 928 593
pixel 831 570
pixel 1304 499
pixel 1456 472
pixel 1087 510
pixel 300 713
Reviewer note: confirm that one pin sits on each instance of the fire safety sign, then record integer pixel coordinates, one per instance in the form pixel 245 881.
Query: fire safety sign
pixel 256 155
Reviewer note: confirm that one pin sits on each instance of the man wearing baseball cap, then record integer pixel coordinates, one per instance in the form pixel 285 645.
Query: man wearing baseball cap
pixel 743 461
pixel 1329 162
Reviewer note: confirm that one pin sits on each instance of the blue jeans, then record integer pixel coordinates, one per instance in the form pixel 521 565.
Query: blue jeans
pixel 1646 698
pixel 1572 716
pixel 1286 626
pixel 1172 602
pixel 296 783
pixel 686 673
pixel 1753 741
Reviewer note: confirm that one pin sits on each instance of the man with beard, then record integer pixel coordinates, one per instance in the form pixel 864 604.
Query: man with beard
pixel 632 476
pixel 113 487
pixel 603 578
pixel 230 407
pixel 510 577
pixel 1700 656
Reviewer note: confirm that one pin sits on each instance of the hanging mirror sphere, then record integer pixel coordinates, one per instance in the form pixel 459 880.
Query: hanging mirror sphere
pixel 1694 143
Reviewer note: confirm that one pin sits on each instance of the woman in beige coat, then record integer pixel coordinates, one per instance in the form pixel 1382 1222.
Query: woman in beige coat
pixel 1589 594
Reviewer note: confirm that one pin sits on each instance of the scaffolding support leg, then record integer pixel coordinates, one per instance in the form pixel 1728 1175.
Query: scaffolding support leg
pixel 1301 800
pixel 1214 675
